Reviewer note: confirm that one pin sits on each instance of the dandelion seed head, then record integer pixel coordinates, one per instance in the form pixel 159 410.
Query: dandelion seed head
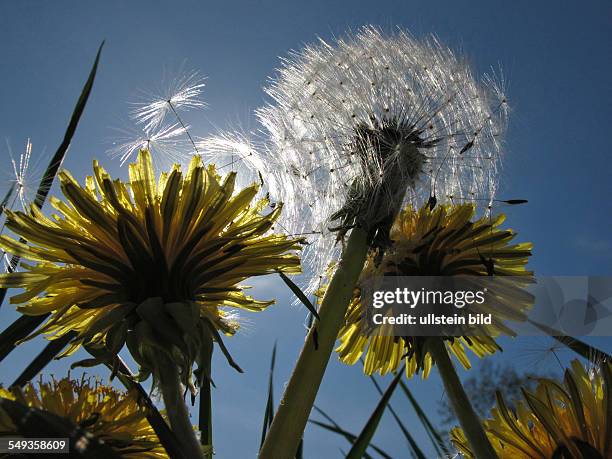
pixel 347 115
pixel 179 93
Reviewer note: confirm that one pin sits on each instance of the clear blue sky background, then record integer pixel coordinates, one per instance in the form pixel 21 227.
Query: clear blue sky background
pixel 556 56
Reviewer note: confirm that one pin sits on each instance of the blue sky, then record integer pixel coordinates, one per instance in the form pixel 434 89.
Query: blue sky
pixel 556 57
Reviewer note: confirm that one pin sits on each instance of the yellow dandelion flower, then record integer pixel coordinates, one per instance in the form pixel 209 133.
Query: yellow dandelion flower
pixel 445 241
pixel 156 264
pixel 111 416
pixel 569 420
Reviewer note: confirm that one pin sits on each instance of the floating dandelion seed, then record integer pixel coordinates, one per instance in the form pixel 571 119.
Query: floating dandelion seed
pixel 20 171
pixel 22 185
pixel 541 353
pixel 165 143
pixel 180 93
pixel 352 119
pixel 25 175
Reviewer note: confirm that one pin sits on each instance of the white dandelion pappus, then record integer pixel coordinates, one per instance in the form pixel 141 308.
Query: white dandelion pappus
pixel 25 175
pixel 240 152
pixel 180 93
pixel 164 143
pixel 234 152
pixel 351 120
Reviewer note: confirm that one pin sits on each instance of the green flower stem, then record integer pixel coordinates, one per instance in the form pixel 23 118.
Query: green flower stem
pixel 470 422
pixel 176 409
pixel 290 420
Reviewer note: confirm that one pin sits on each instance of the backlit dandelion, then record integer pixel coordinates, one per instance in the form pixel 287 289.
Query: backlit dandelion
pixel 364 126
pixel 566 420
pixel 154 264
pixel 353 118
pixel 111 416
pixel 423 246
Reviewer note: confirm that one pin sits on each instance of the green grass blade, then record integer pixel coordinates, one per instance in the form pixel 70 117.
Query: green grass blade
pixel 350 437
pixel 7 197
pixel 205 411
pixel 19 329
pixel 416 451
pixel 365 437
pixel 58 157
pixel 301 295
pixel 434 435
pixel 269 411
pixel 53 348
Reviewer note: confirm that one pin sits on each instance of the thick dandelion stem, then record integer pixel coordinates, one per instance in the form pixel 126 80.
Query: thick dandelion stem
pixel 470 422
pixel 176 409
pixel 290 420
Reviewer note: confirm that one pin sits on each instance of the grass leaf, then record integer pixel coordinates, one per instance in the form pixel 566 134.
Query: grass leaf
pixel 435 437
pixel 53 348
pixel 365 437
pixel 300 294
pixel 19 329
pixel 269 412
pixel 58 157
pixel 333 427
pixel 417 453
pixel 7 197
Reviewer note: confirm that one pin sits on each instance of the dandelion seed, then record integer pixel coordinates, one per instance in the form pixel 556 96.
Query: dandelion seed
pixel 165 143
pixel 180 93
pixel 236 152
pixel 25 176
pixel 541 353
